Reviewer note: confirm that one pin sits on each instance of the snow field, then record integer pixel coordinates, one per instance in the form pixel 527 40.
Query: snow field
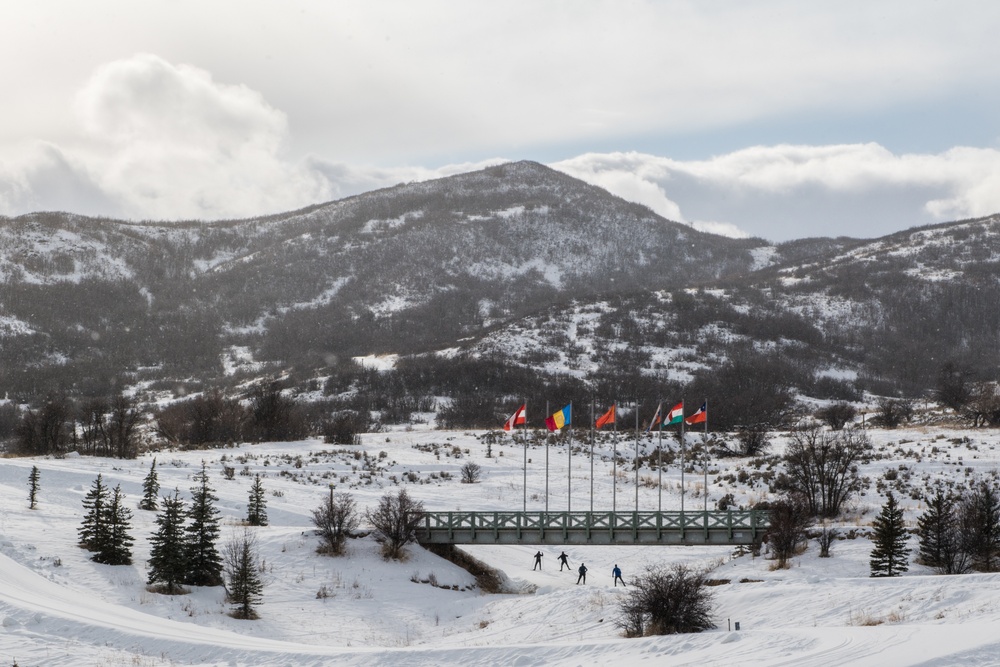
pixel 59 608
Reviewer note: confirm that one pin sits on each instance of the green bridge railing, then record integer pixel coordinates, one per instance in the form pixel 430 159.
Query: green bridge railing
pixel 730 527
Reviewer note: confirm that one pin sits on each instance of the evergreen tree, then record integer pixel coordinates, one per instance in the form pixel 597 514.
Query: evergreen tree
pixel 117 548
pixel 889 556
pixel 167 555
pixel 980 526
pixel 257 504
pixel 33 487
pixel 203 560
pixel 244 586
pixel 150 489
pixel 940 537
pixel 94 530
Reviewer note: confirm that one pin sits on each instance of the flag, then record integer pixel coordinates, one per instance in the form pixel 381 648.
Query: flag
pixel 518 418
pixel 656 418
pixel 607 418
pixel 698 417
pixel 559 419
pixel 676 414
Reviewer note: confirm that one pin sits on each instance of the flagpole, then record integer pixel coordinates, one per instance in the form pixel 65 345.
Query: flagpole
pixel 546 464
pixel 593 432
pixel 569 459
pixel 659 462
pixel 704 445
pixel 525 437
pixel 614 466
pixel 682 465
pixel 637 455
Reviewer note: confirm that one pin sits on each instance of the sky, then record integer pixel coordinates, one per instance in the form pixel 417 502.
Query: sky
pixel 777 119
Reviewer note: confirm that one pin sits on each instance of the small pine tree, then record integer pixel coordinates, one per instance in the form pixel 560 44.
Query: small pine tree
pixel 203 560
pixel 150 489
pixel 980 526
pixel 94 530
pixel 167 554
pixel 940 537
pixel 889 556
pixel 257 504
pixel 244 586
pixel 117 549
pixel 33 488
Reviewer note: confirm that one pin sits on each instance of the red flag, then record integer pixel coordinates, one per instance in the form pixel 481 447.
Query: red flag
pixel 607 418
pixel 518 418
pixel 701 415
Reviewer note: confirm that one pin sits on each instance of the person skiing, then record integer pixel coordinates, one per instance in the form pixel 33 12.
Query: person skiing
pixel 563 560
pixel 538 562
pixel 583 573
pixel 618 575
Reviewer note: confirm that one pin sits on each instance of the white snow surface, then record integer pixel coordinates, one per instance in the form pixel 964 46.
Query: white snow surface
pixel 59 608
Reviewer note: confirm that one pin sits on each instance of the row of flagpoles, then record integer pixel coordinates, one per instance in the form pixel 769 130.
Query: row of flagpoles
pixel 563 419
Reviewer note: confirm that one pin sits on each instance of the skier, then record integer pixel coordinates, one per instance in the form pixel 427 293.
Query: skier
pixel 563 560
pixel 583 573
pixel 618 575
pixel 538 562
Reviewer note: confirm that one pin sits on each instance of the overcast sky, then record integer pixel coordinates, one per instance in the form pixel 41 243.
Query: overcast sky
pixel 780 119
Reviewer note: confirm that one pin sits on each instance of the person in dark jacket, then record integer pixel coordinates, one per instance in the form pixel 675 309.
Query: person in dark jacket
pixel 538 562
pixel 618 575
pixel 563 560
pixel 583 574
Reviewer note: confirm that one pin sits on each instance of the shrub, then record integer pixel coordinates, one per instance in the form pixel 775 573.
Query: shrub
pixel 838 415
pixel 471 472
pixel 789 519
pixel 664 601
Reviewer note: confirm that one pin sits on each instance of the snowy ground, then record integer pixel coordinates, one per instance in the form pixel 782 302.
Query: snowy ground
pixel 59 608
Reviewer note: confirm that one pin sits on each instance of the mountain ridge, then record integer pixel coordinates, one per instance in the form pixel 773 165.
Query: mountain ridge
pixel 457 262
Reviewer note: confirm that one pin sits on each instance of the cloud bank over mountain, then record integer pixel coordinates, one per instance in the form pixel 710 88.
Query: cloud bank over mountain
pixel 781 191
pixel 165 141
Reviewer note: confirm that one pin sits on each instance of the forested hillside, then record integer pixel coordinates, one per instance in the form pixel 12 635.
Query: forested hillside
pixel 508 283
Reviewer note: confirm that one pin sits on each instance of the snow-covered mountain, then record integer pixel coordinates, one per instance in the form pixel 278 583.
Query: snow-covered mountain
pixel 517 260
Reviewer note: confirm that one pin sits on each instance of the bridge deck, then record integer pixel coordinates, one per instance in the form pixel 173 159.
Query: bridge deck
pixel 732 527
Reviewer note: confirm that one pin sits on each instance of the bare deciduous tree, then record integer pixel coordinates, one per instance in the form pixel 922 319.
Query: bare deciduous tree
pixel 396 519
pixel 335 519
pixel 822 466
pixel 471 472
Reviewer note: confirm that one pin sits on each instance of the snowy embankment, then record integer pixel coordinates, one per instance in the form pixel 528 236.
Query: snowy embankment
pixel 59 608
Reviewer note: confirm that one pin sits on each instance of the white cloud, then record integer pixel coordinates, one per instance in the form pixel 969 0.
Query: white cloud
pixel 157 140
pixel 164 141
pixel 785 192
pixel 167 141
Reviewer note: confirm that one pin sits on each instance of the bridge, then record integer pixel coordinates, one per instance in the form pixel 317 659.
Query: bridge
pixel 663 528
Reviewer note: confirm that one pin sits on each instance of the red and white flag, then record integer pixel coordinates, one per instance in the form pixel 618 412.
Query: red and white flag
pixel 701 415
pixel 518 418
